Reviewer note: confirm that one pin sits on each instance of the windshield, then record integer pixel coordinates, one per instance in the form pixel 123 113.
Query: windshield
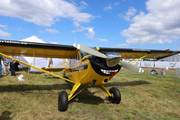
pixel 83 53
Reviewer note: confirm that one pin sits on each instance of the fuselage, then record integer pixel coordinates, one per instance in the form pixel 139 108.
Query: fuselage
pixel 88 69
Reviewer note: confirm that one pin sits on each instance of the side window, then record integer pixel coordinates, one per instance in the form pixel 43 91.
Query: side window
pixel 75 59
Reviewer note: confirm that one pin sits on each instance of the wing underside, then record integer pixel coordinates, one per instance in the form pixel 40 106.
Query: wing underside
pixel 138 53
pixel 29 49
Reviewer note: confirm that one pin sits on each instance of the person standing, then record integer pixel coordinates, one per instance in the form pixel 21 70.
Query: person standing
pixel 1 58
pixel 50 65
pixel 12 67
pixel 6 63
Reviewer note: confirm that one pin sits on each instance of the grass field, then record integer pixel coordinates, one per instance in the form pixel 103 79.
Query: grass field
pixel 144 97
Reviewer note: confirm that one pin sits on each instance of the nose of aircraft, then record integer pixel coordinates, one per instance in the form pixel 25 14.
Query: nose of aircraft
pixel 112 59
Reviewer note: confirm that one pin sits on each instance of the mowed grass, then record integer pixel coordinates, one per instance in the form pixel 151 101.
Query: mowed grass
pixel 143 97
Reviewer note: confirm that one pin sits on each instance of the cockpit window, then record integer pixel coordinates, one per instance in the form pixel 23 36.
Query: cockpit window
pixel 83 53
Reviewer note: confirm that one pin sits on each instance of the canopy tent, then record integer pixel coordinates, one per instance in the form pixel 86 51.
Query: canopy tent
pixel 37 61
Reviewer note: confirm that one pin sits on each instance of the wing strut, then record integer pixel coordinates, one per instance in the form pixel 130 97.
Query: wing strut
pixel 104 90
pixel 133 67
pixel 37 68
pixel 140 58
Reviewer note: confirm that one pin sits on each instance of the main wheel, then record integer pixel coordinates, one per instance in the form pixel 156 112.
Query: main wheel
pixel 63 101
pixel 116 95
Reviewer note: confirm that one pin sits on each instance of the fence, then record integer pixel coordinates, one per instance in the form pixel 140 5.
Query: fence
pixel 147 71
pixel 178 72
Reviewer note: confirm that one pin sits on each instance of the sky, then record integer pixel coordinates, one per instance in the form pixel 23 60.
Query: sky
pixel 142 24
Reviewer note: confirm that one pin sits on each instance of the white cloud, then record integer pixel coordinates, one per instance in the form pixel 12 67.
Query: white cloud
pixel 90 33
pixel 131 12
pixel 121 45
pixel 90 30
pixel 160 25
pixel 3 26
pixel 4 34
pixel 43 12
pixel 52 30
pixel 107 8
pixel 103 40
pixel 84 3
pixel 81 29
pixel 19 29
pixel 116 3
pixel 49 30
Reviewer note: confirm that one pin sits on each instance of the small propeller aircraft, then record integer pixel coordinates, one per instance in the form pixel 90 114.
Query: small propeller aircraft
pixel 82 65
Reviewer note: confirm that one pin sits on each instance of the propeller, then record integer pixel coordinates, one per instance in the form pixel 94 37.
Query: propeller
pixel 89 50
pixel 130 66
pixel 112 58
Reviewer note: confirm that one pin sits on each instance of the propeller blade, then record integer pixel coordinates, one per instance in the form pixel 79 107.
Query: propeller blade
pixel 131 67
pixel 89 50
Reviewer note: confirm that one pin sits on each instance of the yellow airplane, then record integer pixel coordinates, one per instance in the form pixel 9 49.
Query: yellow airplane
pixel 82 65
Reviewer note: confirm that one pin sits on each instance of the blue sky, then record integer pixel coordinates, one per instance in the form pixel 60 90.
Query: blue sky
pixel 145 24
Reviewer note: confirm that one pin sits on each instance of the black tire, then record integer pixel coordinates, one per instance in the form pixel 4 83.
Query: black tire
pixel 63 101
pixel 116 95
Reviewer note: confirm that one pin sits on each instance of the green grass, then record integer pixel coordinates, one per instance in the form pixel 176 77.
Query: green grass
pixel 143 97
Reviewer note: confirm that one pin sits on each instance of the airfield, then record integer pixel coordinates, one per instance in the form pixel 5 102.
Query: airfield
pixel 144 97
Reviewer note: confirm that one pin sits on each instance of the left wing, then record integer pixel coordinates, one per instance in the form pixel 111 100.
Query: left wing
pixel 30 49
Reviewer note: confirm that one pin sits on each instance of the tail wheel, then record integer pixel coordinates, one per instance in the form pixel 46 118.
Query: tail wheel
pixel 116 95
pixel 63 101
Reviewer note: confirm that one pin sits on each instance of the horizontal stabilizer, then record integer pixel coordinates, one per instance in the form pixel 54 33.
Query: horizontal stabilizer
pixel 54 69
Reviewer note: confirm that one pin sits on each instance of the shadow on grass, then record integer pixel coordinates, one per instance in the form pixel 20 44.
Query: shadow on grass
pixel 16 88
pixel 25 87
pixel 5 115
pixel 87 97
pixel 132 83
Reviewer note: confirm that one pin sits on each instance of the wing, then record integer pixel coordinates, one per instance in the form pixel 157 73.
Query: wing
pixel 30 49
pixel 138 53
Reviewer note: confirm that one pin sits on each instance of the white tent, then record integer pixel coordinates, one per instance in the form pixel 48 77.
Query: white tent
pixel 37 61
pixel 33 39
